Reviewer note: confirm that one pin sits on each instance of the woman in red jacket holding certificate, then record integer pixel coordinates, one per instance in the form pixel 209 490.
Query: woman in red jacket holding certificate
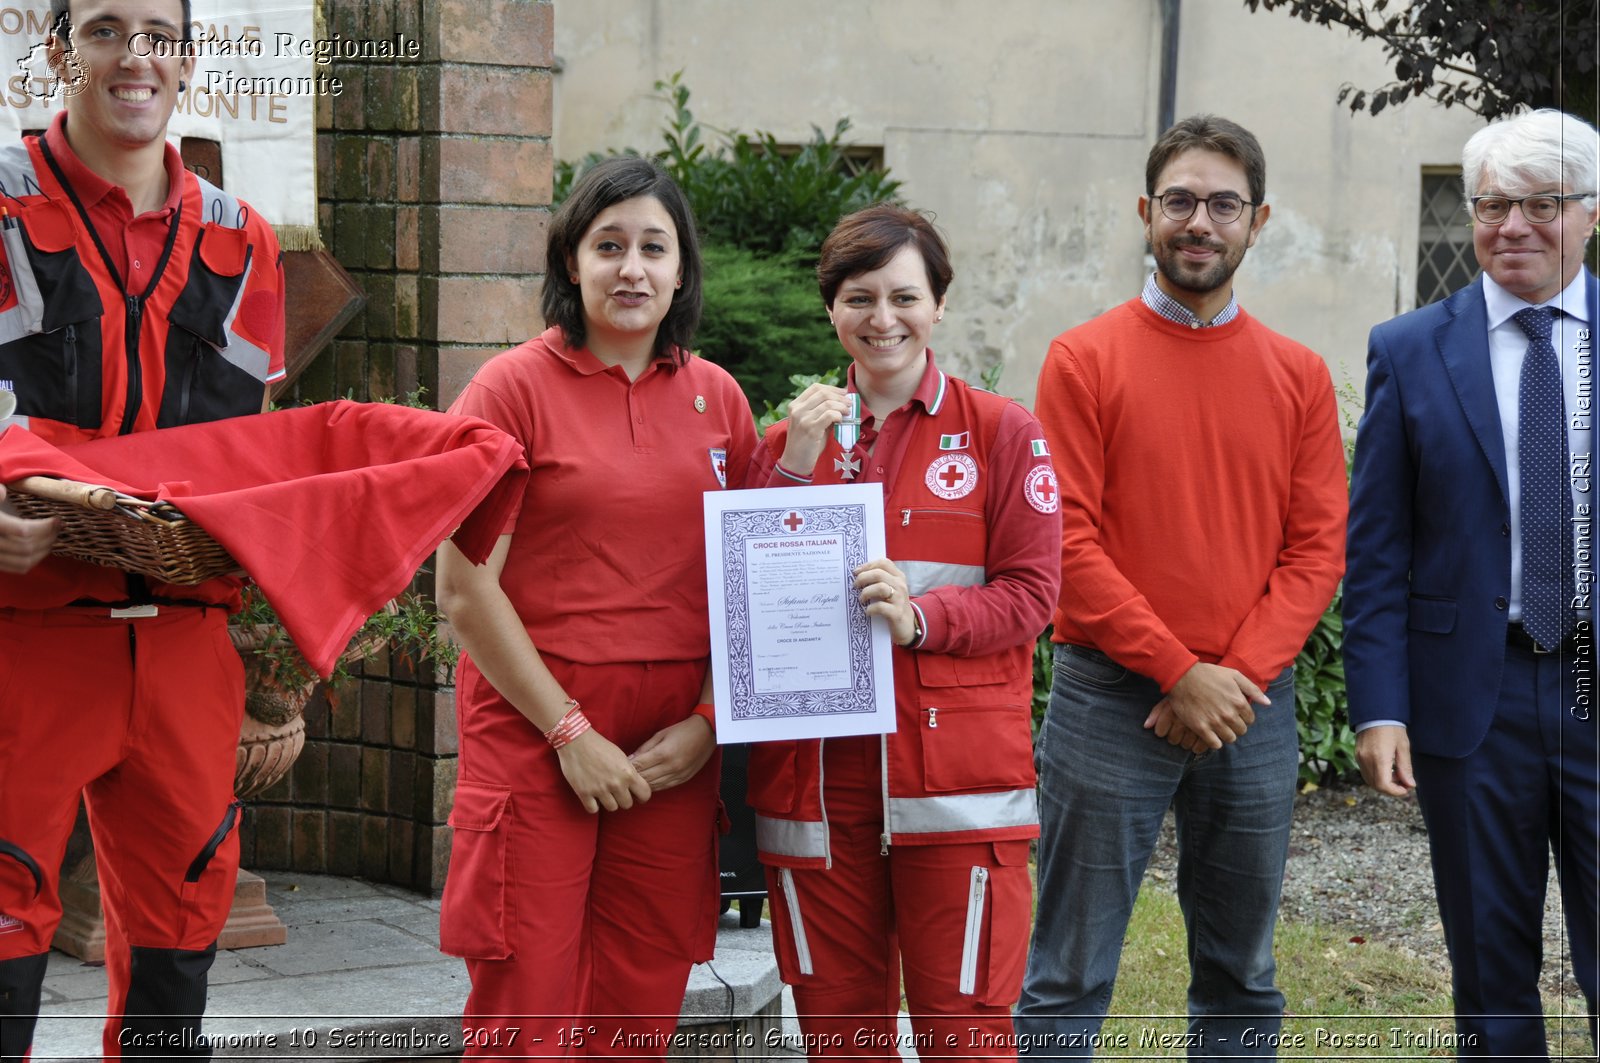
pixel 907 854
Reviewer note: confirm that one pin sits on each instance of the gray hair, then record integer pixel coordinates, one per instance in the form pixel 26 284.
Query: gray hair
pixel 1538 148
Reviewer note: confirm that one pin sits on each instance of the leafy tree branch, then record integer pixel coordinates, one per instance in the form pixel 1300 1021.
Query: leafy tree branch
pixel 1489 56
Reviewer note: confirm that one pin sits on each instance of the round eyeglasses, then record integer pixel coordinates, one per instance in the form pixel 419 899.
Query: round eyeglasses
pixel 1223 207
pixel 1538 210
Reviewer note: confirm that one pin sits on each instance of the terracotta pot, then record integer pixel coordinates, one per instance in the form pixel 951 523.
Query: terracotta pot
pixel 266 753
pixel 274 729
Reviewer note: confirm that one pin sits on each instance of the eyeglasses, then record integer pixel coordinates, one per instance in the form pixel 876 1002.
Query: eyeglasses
pixel 1223 207
pixel 1538 210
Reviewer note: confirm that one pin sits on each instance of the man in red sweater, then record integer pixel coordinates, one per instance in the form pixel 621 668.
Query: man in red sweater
pixel 1203 505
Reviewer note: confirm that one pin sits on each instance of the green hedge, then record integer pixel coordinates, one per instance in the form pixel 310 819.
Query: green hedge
pixel 764 321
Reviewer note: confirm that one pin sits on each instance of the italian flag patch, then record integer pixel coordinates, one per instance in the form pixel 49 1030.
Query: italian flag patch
pixel 959 441
pixel 1040 450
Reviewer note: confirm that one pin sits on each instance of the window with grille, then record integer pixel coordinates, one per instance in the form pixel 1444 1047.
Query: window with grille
pixel 1445 260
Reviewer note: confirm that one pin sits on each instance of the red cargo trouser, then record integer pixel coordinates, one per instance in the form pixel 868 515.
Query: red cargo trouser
pixel 954 917
pixel 141 717
pixel 578 930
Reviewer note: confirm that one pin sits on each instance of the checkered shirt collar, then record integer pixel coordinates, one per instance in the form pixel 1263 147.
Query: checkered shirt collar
pixel 1172 310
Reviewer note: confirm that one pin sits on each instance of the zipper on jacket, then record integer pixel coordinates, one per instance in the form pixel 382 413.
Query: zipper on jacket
pixel 933 719
pixel 190 371
pixel 198 866
pixel 822 805
pixel 974 935
pixel 130 342
pixel 883 839
pixel 70 339
pixel 905 514
pixel 797 925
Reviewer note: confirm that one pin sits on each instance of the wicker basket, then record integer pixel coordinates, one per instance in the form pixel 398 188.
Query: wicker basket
pixel 103 527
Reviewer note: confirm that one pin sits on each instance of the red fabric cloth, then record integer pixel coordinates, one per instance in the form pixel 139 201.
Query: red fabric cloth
pixel 330 509
pixel 1202 491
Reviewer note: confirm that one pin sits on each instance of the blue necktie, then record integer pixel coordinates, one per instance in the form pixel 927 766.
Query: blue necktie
pixel 1546 496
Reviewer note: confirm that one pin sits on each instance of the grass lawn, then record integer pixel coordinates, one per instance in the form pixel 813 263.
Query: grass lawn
pixel 1345 999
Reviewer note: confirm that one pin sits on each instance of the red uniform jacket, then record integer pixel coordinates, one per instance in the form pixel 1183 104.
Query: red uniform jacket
pixel 960 765
pixel 84 358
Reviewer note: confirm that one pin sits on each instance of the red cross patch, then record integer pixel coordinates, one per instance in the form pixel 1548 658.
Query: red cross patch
pixel 1041 490
pixel 719 464
pixel 952 475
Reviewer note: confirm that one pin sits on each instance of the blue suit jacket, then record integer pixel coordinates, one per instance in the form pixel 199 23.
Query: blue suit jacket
pixel 1428 572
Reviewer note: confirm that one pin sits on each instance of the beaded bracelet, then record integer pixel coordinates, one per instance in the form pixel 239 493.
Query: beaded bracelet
pixel 570 726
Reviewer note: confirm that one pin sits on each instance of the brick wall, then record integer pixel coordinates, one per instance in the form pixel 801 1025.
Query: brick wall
pixel 434 178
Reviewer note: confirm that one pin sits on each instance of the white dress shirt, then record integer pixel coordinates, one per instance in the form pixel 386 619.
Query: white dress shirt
pixel 1573 339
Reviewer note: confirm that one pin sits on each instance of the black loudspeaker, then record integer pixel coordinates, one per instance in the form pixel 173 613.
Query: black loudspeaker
pixel 743 879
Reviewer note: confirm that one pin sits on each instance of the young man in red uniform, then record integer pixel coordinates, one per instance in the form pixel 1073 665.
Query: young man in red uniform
pixel 138 297
pixel 1203 509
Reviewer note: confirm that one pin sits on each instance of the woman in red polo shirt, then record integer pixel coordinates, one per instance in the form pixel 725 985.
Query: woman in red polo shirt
pixel 583 880
pixel 908 854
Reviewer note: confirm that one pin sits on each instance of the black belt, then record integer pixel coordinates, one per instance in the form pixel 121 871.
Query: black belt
pixel 129 603
pixel 139 601
pixel 1518 637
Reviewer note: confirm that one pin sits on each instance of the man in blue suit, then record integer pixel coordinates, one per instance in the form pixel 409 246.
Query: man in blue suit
pixel 1469 647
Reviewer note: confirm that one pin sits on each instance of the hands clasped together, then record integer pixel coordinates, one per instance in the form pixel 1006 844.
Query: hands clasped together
pixel 604 777
pixel 1206 709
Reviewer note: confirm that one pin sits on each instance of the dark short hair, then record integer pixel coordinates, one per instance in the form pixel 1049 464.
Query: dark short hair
pixel 61 18
pixel 1210 133
pixel 869 238
pixel 605 184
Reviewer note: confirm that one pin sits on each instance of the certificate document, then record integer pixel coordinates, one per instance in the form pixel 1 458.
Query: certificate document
pixel 793 653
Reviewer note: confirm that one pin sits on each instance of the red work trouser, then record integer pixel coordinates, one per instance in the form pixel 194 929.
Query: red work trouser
pixel 578 929
pixel 141 717
pixel 952 918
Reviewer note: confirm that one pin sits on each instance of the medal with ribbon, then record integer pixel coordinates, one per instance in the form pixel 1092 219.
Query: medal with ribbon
pixel 848 433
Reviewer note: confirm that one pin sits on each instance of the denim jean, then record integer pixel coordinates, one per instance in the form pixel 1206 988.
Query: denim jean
pixel 1105 784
